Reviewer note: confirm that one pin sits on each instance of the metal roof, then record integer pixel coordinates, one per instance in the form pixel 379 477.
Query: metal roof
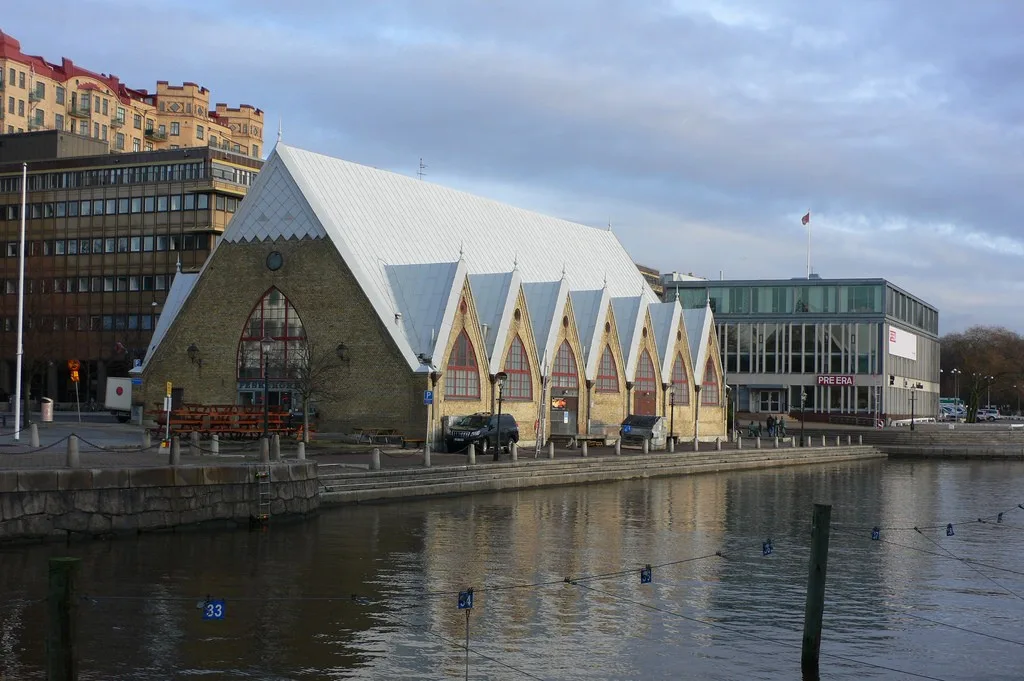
pixel 181 287
pixel 699 322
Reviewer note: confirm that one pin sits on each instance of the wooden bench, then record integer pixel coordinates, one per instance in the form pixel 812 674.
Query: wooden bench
pixel 415 443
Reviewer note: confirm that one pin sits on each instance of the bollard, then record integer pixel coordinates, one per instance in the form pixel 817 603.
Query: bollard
pixel 72 460
pixel 264 450
pixel 672 444
pixel 837 440
pixel 513 451
pixel 147 441
pixel 215 444
pixel 849 440
pixel 739 442
pixel 757 442
pixel 175 458
pixel 275 447
pixel 618 446
pixel 426 455
pixel 776 442
pixel 300 452
pixel 696 444
pixel 823 441
pixel 860 439
pixel 792 442
pixel 375 460
pixel 551 449
pixel 193 444
pixel 583 449
pixel 718 444
pixel 647 446
pixel 33 435
pixel 471 454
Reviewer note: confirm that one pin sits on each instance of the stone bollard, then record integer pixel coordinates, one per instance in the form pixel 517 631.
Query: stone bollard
pixel 647 446
pixel 860 439
pixel 471 454
pixel 264 450
pixel 671 444
pixel 776 442
pixel 215 444
pixel 275 447
pixel 823 441
pixel 175 458
pixel 739 442
pixel 718 444
pixel 33 435
pixel 551 449
pixel 147 440
pixel 513 451
pixel 193 444
pixel 849 440
pixel 792 442
pixel 757 442
pixel 426 455
pixel 300 452
pixel 837 440
pixel 375 460
pixel 618 446
pixel 583 449
pixel 72 460
pixel 696 444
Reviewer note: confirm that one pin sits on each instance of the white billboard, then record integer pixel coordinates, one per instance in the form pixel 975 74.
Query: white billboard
pixel 902 343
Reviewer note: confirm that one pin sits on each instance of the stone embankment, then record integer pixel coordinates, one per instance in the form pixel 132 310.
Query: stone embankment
pixel 939 441
pixel 61 503
pixel 341 488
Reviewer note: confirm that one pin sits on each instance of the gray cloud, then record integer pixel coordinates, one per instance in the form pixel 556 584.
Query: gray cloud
pixel 701 130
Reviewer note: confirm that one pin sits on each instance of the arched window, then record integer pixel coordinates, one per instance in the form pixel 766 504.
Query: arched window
pixel 273 317
pixel 709 390
pixel 645 382
pixel 607 374
pixel 517 366
pixel 564 374
pixel 463 379
pixel 680 385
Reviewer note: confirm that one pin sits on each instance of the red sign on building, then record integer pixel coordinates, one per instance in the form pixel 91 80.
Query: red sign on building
pixel 835 379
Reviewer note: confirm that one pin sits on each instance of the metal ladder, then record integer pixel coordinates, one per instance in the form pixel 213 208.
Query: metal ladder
pixel 263 496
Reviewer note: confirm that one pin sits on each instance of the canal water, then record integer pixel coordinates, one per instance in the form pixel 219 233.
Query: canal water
pixel 941 607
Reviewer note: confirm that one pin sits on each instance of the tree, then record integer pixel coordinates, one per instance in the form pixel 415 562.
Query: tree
pixel 985 357
pixel 317 375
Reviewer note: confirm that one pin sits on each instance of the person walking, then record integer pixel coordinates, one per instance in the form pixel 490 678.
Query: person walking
pixel 770 422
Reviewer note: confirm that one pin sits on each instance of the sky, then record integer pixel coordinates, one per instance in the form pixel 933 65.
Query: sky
pixel 701 131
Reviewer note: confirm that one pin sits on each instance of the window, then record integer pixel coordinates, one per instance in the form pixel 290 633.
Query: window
pixel 133 283
pixel 122 244
pixel 147 243
pixel 199 132
pixel 60 94
pixel 21 107
pixel 21 79
pixel 40 91
pixel 83 246
pixel 108 284
pixel 150 204
pixel 97 246
pixel 175 128
pixel 463 379
pixel 10 81
pixel 137 205
pixel 517 366
pixel 162 130
pixel 136 144
pixel 709 391
pixel 72 246
pixel 175 202
pixel 83 128
pixel 123 206
pixel 565 374
pixel 220 202
pixel 275 317
pixel 122 283
pixel 103 133
pixel 137 122
pixel 12 249
pixel 161 204
pixel 136 245
pixel 202 201
pixel 85 208
pixel 607 374
pixel 58 121
pixel 680 385
pixel 646 381
pixel 109 245
pixel 161 243
pixel 255 151
pixel 96 130
pixel 120 115
pixel 106 104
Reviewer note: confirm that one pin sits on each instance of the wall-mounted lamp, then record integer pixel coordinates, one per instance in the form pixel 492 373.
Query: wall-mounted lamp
pixel 342 352
pixel 194 355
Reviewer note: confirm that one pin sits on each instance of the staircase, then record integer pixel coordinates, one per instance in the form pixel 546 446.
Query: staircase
pixel 338 488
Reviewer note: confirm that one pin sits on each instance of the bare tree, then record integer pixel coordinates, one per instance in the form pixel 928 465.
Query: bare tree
pixel 317 374
pixel 986 357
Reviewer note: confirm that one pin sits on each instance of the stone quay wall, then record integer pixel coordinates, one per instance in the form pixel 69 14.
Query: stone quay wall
pixel 62 503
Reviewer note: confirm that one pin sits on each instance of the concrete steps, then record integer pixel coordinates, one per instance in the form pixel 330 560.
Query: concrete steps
pixel 365 486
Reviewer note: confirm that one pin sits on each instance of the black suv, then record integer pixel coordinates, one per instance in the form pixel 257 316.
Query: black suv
pixel 482 431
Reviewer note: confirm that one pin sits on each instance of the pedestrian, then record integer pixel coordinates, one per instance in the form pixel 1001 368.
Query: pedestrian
pixel 771 425
pixel 780 427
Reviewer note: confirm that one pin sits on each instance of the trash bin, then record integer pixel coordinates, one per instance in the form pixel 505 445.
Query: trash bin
pixel 47 409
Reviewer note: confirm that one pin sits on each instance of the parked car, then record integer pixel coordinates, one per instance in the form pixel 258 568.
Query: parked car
pixel 987 415
pixel 481 430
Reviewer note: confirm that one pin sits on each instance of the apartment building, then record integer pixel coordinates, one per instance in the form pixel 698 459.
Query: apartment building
pixel 39 95
pixel 105 235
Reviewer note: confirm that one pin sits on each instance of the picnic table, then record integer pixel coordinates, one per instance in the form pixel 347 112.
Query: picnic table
pixel 231 421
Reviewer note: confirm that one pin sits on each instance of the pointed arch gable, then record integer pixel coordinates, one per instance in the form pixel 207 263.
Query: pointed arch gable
pixel 710 390
pixel 680 380
pixel 462 370
pixel 272 317
pixel 646 378
pixel 565 370
pixel 519 385
pixel 607 372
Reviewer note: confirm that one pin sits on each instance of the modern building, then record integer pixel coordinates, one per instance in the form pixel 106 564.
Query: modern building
pixel 39 95
pixel 653 278
pixel 859 349
pixel 403 287
pixel 105 235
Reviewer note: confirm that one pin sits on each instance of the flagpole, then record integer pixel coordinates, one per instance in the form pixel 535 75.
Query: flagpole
pixel 21 306
pixel 808 245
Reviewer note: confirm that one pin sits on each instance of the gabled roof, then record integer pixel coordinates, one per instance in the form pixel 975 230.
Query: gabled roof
pixel 629 321
pixel 275 207
pixel 422 295
pixel 666 318
pixel 495 298
pixel 590 309
pixel 546 302
pixel 699 323
pixel 181 287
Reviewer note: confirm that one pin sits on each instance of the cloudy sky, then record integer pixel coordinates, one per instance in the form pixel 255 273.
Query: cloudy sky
pixel 702 131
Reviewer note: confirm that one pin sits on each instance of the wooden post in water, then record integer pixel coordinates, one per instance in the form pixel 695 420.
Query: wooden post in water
pixel 815 606
pixel 61 662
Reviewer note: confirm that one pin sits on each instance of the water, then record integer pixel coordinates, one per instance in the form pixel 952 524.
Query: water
pixel 290 614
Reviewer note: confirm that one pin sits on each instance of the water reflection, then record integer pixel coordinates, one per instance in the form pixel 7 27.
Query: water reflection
pixel 290 614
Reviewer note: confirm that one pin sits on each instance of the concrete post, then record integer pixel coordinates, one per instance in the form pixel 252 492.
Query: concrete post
pixel 696 444
pixel 837 440
pixel 193 444
pixel 426 455
pixel 823 441
pixel 513 451
pixel 757 442
pixel 672 444
pixel 583 449
pixel 215 444
pixel 300 452
pixel 618 446
pixel 739 442
pixel 551 449
pixel 147 441
pixel 275 447
pixel 175 458
pixel 471 454
pixel 718 444
pixel 33 435
pixel 647 446
pixel 792 442
pixel 264 450
pixel 72 458
pixel 860 439
pixel 776 442
pixel 375 460
pixel 849 440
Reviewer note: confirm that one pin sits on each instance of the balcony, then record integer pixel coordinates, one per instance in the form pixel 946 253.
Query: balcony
pixel 155 135
pixel 79 111
pixel 34 97
pixel 35 125
pixel 116 123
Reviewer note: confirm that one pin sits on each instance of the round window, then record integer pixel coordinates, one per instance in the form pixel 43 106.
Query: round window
pixel 565 322
pixel 274 261
pixel 607 327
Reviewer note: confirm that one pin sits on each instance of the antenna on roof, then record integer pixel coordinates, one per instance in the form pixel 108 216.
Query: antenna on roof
pixel 605 279
pixel 515 262
pixel 280 127
pixel 609 224
pixel 423 166
pixel 563 270
pixel 462 252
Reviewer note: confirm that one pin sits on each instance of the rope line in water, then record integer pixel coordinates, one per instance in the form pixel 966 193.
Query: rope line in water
pixel 956 557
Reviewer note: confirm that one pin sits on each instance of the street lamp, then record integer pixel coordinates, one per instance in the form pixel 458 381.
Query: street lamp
pixel 499 381
pixel 803 402
pixel 956 392
pixel 265 345
pixel 913 395
pixel 672 413
pixel 989 380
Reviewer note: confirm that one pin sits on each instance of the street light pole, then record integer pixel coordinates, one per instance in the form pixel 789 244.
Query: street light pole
pixel 913 395
pixel 803 402
pixel 500 384
pixel 265 345
pixel 672 414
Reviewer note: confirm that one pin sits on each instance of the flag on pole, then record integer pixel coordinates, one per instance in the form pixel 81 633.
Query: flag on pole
pixel 805 219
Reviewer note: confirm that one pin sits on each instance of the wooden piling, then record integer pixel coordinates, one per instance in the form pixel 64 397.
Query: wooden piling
pixel 815 606
pixel 62 621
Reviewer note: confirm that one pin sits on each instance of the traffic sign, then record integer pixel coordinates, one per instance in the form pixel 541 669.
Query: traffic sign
pixel 428 397
pixel 168 388
pixel 74 375
pixel 136 363
pixel 74 365
pixel 136 380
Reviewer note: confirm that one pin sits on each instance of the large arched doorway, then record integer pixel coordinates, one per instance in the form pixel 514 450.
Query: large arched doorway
pixel 645 396
pixel 275 320
pixel 565 392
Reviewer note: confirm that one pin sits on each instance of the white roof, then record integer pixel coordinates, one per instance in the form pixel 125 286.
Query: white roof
pixel 590 309
pixel 495 298
pixel 699 322
pixel 665 318
pixel 181 287
pixel 629 322
pixel 546 302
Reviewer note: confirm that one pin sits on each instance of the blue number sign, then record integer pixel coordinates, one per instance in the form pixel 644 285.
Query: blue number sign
pixel 466 600
pixel 428 397
pixel 645 574
pixel 213 610
pixel 767 548
pixel 876 534
pixel 626 428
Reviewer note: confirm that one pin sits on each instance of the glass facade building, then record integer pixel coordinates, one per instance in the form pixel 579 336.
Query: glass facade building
pixel 857 350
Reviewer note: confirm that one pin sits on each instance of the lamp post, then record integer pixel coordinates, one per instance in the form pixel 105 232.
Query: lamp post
pixel 265 345
pixel 672 413
pixel 956 393
pixel 499 381
pixel 803 403
pixel 913 395
pixel 989 380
